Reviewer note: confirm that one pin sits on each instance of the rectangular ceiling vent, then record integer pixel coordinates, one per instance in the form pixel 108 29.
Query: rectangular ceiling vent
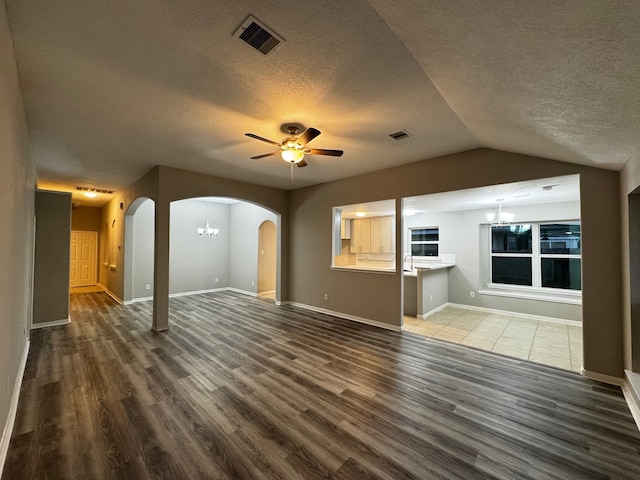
pixel 402 134
pixel 258 35
pixel 96 190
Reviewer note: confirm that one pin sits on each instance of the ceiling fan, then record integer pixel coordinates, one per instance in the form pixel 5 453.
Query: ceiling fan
pixel 292 149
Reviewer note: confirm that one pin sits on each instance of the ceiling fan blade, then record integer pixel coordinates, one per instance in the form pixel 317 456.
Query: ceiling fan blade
pixel 265 155
pixel 308 135
pixel 262 139
pixel 322 151
pixel 302 163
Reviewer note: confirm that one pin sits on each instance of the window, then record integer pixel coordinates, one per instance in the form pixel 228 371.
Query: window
pixel 560 255
pixel 545 255
pixel 424 241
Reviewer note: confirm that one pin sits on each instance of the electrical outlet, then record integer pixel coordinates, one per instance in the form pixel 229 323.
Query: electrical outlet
pixel 431 298
pixel 326 296
pixel 217 279
pixel 472 294
pixel 147 286
pixel 253 283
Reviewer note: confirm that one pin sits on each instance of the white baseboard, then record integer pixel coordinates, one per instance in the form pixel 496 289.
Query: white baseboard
pixel 601 377
pixel 194 292
pixel 243 292
pixel 113 295
pixel 435 310
pixel 346 316
pixel 137 300
pixel 13 408
pixel 631 391
pixel 53 323
pixel 563 321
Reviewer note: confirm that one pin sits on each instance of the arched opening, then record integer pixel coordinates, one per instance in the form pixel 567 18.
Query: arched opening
pixel 215 244
pixel 267 259
pixel 138 252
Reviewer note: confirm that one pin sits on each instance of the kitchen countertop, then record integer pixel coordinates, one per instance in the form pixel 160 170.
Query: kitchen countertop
pixel 427 268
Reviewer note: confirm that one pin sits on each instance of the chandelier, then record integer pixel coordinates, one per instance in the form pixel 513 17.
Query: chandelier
pixel 207 231
pixel 504 218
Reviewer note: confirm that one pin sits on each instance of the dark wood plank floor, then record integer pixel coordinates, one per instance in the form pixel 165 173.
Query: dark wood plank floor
pixel 240 388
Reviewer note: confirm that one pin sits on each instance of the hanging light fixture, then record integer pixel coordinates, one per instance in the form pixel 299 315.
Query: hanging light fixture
pixel 504 218
pixel 207 231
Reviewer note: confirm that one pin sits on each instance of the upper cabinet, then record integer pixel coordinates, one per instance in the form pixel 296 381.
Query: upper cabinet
pixel 345 229
pixel 361 235
pixel 372 235
pixel 382 234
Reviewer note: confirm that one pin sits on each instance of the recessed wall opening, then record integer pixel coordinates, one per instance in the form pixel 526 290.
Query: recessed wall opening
pixel 364 236
pixel 634 273
pixel 215 244
pixel 498 268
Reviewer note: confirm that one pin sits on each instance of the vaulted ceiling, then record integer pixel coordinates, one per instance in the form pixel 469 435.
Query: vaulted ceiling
pixel 112 89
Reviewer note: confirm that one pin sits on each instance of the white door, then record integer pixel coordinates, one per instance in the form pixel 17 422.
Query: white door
pixel 82 268
pixel 267 259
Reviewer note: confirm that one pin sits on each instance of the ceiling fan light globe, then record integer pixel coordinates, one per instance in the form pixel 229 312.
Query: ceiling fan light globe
pixel 292 155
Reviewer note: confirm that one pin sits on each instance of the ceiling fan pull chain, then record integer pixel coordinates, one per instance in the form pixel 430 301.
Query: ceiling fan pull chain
pixel 291 173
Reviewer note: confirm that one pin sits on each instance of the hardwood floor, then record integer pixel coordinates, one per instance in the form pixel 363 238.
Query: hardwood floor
pixel 239 388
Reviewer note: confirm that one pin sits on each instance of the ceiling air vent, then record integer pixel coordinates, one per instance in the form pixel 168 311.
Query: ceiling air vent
pixel 96 190
pixel 258 35
pixel 401 135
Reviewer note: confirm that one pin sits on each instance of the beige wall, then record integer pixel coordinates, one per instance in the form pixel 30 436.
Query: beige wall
pixel 378 297
pixel 53 241
pixel 86 219
pixel 17 186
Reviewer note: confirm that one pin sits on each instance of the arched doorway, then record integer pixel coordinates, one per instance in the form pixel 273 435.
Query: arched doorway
pixel 138 252
pixel 267 259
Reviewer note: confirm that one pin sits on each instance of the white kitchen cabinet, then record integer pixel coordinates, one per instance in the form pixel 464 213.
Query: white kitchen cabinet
pixel 345 229
pixel 360 235
pixel 372 235
pixel 382 235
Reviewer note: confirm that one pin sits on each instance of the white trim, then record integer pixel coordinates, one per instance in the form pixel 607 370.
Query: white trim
pixel 137 300
pixel 563 321
pixel 374 323
pixel 564 297
pixel 113 295
pixel 13 408
pixel 53 323
pixel 601 377
pixel 237 290
pixel 435 310
pixel 193 292
pixel 631 391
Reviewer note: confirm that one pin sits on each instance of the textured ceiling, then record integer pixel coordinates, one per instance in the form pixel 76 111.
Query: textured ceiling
pixel 112 89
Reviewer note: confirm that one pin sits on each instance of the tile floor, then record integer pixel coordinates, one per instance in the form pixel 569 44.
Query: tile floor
pixel 549 343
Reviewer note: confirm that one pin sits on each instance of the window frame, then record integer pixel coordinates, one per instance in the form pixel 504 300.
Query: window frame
pixel 424 242
pixel 536 257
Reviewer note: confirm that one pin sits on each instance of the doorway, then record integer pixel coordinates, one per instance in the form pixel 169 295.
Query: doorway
pixel 267 244
pixel 83 259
